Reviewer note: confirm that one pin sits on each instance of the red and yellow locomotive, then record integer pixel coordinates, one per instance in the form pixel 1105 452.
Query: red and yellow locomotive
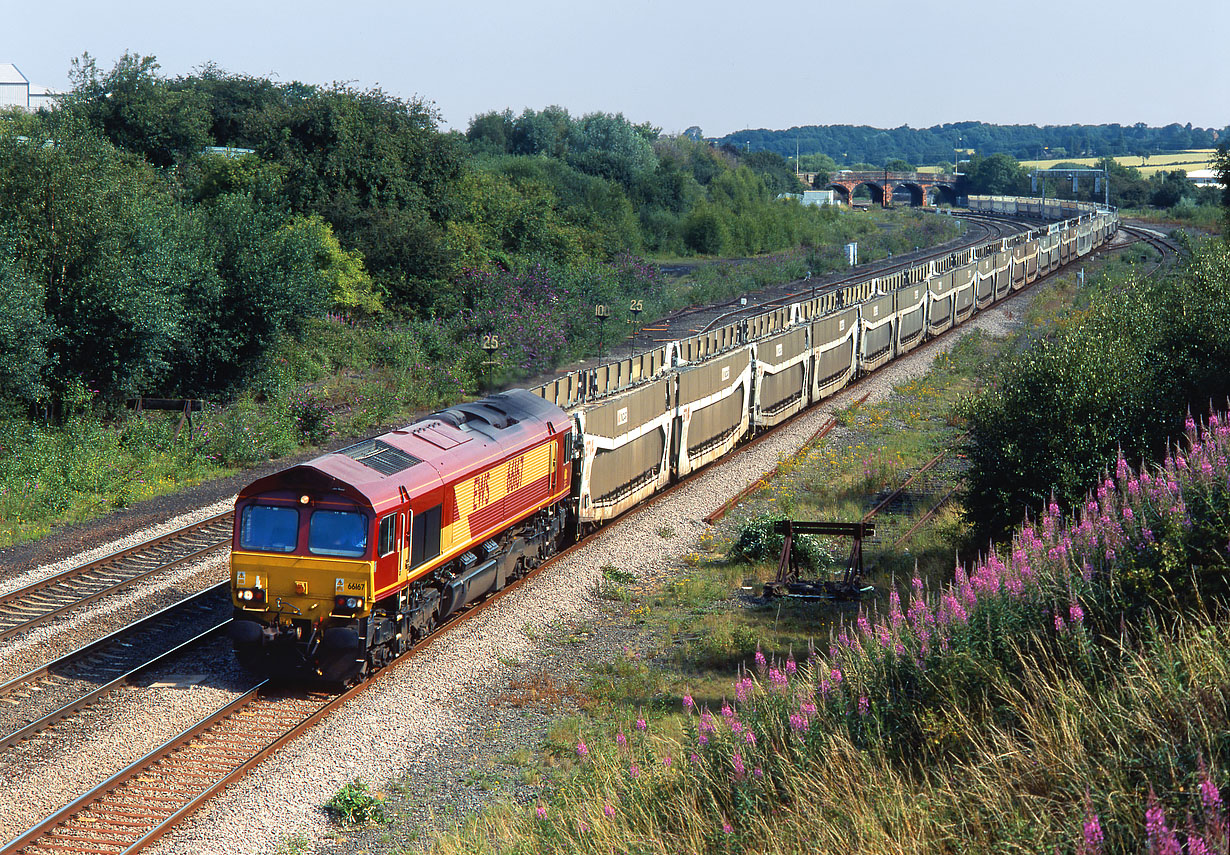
pixel 338 565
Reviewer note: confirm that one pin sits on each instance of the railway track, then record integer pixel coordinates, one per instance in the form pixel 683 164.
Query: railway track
pixel 25 608
pixel 1169 250
pixel 51 693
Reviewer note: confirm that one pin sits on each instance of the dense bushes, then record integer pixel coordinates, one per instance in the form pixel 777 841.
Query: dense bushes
pixel 1112 377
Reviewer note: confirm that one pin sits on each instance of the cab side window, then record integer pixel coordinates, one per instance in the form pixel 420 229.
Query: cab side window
pixel 425 544
pixel 388 531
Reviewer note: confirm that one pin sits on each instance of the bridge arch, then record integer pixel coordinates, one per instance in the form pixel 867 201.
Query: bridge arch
pixel 874 188
pixel 910 191
pixel 941 194
pixel 843 192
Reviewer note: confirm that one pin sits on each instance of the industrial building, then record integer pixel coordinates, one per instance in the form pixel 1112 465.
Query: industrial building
pixel 17 91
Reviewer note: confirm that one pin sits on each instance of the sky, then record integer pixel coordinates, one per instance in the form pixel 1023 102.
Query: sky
pixel 719 65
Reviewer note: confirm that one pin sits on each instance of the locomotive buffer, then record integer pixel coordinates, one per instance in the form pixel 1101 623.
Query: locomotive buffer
pixel 787 582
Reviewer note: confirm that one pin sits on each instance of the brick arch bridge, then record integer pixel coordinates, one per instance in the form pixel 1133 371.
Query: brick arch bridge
pixel 882 184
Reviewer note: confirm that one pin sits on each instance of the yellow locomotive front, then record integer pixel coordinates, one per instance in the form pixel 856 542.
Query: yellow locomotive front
pixel 302 581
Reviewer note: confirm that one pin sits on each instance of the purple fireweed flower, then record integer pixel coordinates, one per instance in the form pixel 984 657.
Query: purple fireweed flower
pixel 760 661
pixel 1091 837
pixel 582 749
pixel 726 829
pixel 758 772
pixel 621 740
pixel 1075 613
pixel 1162 841
pixel 608 810
pixel 688 703
pixel 634 771
pixel 693 758
pixel 1059 623
pixel 740 769
pixel 749 738
pixel 702 740
pixel 798 723
pixel 895 616
pixel 864 705
pixel 792 667
pixel 864 625
pixel 640 724
pixel 541 810
pixel 736 726
pixel 835 675
pixel 1210 796
pixel 727 712
pixel 778 678
pixel 883 635
pixel 666 761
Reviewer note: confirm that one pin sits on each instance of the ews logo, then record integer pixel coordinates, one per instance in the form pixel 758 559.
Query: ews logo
pixel 482 491
pixel 513 475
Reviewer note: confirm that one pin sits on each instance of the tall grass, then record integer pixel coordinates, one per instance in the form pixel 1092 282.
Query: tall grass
pixel 1071 695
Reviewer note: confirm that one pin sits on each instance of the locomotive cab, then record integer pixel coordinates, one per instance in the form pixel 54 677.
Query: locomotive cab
pixel 338 565
pixel 303 573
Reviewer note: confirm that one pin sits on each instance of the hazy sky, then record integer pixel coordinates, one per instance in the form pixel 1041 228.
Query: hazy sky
pixel 721 65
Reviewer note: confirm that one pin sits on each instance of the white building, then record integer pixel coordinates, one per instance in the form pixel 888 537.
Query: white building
pixel 17 91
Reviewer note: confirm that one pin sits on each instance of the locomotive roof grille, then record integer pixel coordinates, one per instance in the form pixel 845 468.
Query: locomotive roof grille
pixel 379 455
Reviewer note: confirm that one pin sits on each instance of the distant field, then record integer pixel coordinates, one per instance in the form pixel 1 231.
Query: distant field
pixel 1198 158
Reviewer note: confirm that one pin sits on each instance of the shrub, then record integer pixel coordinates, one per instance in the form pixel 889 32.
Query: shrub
pixel 356 804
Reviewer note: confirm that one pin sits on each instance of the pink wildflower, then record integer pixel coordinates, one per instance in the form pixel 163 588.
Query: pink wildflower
pixel 792 667
pixel 608 810
pixel 542 811
pixel 621 740
pixel 666 761
pixel 1092 837
pixel 749 738
pixel 760 660
pixel 640 724
pixel 864 705
pixel 1059 623
pixel 582 749
pixel 688 703
pixel 634 771
pixel 1162 840
pixel 1075 613
pixel 726 827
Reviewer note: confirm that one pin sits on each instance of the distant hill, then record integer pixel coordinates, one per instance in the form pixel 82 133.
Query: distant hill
pixel 848 144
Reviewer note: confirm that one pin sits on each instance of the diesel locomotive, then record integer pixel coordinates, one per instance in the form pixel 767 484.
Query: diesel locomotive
pixel 340 564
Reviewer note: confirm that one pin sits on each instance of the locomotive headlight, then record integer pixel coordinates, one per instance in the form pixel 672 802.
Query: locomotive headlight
pixel 352 603
pixel 245 595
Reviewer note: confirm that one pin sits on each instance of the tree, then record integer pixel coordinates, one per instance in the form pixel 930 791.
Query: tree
pixel 774 171
pixel 1169 191
pixel 24 333
pixel 997 175
pixel 491 133
pixel 1221 164
pixel 138 110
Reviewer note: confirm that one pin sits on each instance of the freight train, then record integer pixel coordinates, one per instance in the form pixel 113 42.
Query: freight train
pixel 341 564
